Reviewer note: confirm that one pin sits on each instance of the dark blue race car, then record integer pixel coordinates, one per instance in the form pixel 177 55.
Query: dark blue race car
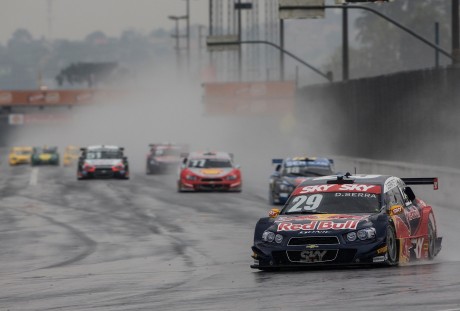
pixel 348 220
pixel 290 172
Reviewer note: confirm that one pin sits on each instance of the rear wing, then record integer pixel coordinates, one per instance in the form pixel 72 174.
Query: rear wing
pixel 422 181
pixel 277 161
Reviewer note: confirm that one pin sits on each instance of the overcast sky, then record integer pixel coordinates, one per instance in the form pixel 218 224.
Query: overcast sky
pixel 74 19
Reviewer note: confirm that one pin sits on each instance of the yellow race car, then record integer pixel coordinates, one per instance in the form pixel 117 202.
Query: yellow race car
pixel 20 155
pixel 71 155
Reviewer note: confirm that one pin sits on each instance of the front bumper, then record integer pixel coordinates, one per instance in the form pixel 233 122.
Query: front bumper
pixel 17 161
pixel 162 167
pixel 268 255
pixel 103 172
pixel 45 162
pixel 225 185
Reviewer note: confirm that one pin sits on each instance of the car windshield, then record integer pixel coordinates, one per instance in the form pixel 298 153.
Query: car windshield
pixel 22 152
pixel 333 203
pixel 167 152
pixel 210 163
pixel 106 154
pixel 307 171
pixel 46 150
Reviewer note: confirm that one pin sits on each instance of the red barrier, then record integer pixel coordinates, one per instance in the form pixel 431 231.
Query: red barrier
pixel 50 97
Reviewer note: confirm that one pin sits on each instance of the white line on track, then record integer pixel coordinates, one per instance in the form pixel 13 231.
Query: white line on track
pixel 34 177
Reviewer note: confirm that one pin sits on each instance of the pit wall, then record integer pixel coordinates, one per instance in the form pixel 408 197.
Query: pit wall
pixel 408 117
pixel 446 195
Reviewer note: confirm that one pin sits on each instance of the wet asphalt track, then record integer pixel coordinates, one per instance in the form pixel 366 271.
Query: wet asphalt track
pixel 140 245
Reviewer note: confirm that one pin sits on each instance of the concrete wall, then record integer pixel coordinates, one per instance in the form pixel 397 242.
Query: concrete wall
pixel 408 117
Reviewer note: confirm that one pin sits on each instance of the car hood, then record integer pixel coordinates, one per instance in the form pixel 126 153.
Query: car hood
pixel 104 162
pixel 318 223
pixel 211 172
pixel 20 156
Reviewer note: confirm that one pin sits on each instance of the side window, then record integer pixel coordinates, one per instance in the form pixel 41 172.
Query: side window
pixel 394 197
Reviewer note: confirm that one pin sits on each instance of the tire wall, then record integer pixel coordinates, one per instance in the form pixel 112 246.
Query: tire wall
pixel 408 117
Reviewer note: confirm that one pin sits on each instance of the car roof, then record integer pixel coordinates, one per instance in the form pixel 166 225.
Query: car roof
pixel 312 161
pixel 106 147
pixel 386 181
pixel 210 155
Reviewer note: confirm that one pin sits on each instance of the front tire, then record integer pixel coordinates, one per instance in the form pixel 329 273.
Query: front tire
pixel 392 247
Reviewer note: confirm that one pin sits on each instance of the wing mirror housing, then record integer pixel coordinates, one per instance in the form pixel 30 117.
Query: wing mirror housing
pixel 274 212
pixel 395 210
pixel 410 193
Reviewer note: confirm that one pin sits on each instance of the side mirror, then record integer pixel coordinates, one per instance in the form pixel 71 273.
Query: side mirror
pixel 395 210
pixel 274 212
pixel 278 167
pixel 237 166
pixel 125 158
pixel 410 193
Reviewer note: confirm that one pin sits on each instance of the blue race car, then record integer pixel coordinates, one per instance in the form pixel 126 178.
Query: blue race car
pixel 290 172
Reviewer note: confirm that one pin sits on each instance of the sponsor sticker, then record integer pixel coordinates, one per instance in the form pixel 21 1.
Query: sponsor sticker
pixel 379 259
pixel 318 225
pixel 375 189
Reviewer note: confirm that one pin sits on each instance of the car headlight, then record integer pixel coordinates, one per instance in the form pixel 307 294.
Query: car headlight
pixel 231 177
pixel 191 177
pixel 363 234
pixel 351 236
pixel 366 234
pixel 278 238
pixel 285 187
pixel 270 237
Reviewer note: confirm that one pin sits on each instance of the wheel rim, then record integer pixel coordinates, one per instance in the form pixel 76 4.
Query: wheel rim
pixel 391 245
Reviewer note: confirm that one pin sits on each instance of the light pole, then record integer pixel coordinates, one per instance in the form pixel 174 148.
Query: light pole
pixel 455 28
pixel 345 54
pixel 455 32
pixel 282 47
pixel 177 35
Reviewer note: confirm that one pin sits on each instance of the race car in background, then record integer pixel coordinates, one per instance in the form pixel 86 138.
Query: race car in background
pixel 348 220
pixel 20 155
pixel 103 162
pixel 71 155
pixel 290 172
pixel 164 158
pixel 209 171
pixel 45 156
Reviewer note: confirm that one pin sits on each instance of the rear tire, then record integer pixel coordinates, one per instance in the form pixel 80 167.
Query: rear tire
pixel 392 247
pixel 431 241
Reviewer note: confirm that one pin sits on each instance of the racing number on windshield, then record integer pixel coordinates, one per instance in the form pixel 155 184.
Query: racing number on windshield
pixel 306 203
pixel 198 163
pixel 293 170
